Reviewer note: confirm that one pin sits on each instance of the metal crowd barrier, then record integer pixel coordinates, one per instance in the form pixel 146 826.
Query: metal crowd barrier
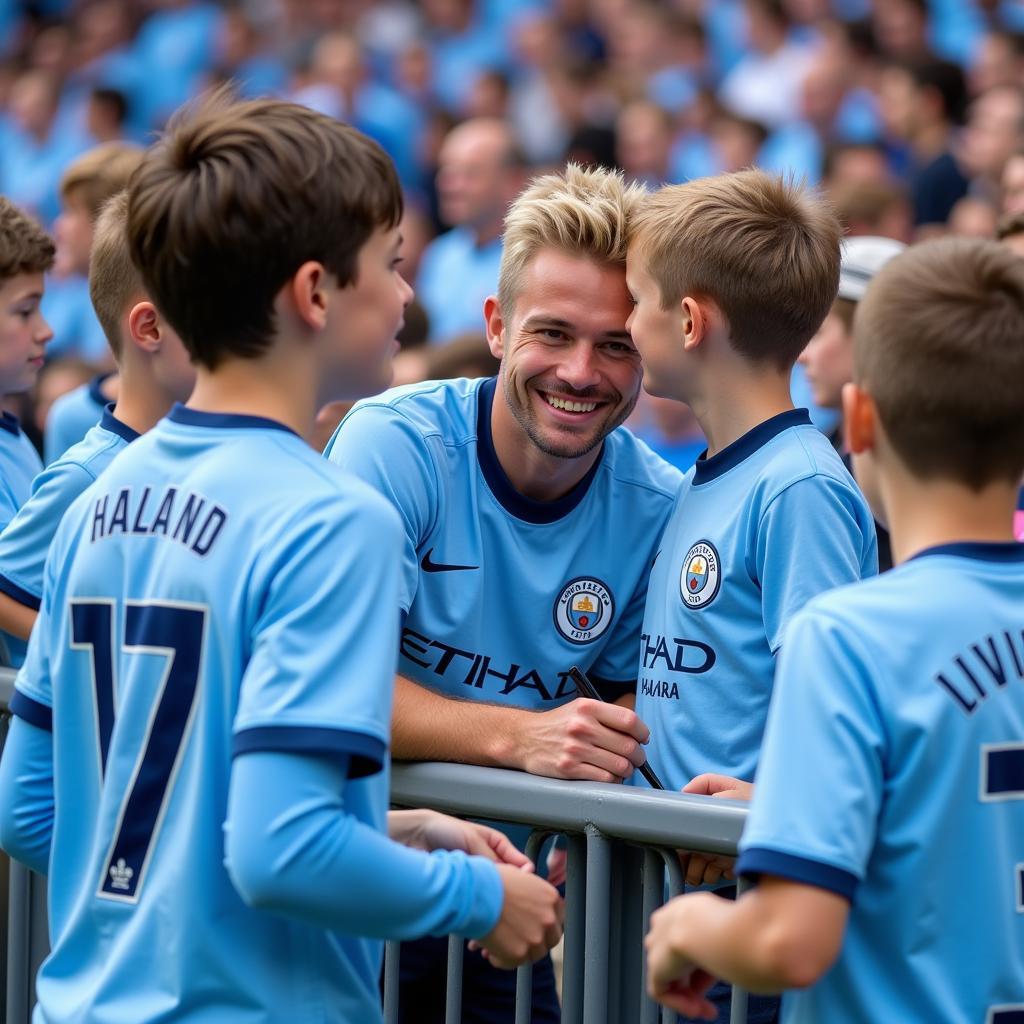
pixel 621 865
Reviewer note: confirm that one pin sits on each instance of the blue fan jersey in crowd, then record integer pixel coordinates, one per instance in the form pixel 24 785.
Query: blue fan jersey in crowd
pixel 893 774
pixel 759 529
pixel 195 609
pixel 502 594
pixel 26 540
pixel 72 416
pixel 19 466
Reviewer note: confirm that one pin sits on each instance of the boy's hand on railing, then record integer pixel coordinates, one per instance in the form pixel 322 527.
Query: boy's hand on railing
pixel 431 830
pixel 709 868
pixel 584 739
pixel 530 922
pixel 672 978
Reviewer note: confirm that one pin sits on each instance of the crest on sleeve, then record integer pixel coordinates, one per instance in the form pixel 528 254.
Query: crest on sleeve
pixel 583 610
pixel 700 576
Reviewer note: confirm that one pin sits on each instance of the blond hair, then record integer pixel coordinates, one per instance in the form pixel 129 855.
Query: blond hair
pixel 113 280
pixel 764 249
pixel 582 211
pixel 99 174
pixel 938 344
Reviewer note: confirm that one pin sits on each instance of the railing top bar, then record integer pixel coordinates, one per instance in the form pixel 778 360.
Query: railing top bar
pixel 6 687
pixel 621 812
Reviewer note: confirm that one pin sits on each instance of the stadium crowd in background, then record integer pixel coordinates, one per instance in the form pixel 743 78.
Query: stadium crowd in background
pixel 910 113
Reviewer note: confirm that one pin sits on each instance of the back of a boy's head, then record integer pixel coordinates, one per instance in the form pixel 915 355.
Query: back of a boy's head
pixel 234 198
pixel 939 346
pixel 763 249
pixel 114 283
pixel 25 248
pixel 100 173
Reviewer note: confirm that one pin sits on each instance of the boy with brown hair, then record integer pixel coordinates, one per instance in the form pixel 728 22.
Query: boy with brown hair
pixel 88 183
pixel 730 277
pixel 26 253
pixel 886 826
pixel 155 373
pixel 200 754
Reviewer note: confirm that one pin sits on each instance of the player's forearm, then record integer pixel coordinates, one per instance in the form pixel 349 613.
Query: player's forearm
pixel 26 795
pixel 426 726
pixel 16 618
pixel 292 848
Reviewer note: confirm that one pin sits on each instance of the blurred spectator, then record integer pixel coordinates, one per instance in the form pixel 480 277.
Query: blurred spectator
pixel 922 100
pixel 481 171
pixel 57 378
pixel 643 143
pixel 855 163
pixel 999 60
pixel 465 356
pixel 901 28
pixel 540 124
pixel 1010 232
pixel 1013 184
pixel 669 428
pixel 736 141
pixel 107 115
pixel 973 218
pixel 994 132
pixel 874 208
pixel 244 57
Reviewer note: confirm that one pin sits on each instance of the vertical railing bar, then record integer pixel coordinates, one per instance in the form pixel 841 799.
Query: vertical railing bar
pixel 738 1011
pixel 19 945
pixel 392 951
pixel 676 884
pixel 453 985
pixel 653 889
pixel 599 870
pixel 524 975
pixel 573 963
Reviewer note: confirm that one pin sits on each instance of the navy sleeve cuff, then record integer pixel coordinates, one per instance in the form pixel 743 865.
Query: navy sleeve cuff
pixel 366 754
pixel 32 711
pixel 19 594
pixel 613 689
pixel 760 861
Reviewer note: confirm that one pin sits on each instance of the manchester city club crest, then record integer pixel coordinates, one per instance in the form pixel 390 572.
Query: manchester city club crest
pixel 700 576
pixel 583 610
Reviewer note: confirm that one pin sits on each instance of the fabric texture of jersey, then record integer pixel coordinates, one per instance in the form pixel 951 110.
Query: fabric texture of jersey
pixel 893 775
pixel 502 594
pixel 72 416
pixel 760 528
pixel 191 612
pixel 27 538
pixel 19 466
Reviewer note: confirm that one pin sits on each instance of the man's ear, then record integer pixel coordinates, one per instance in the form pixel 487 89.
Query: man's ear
pixel 495 326
pixel 307 294
pixel 860 419
pixel 144 326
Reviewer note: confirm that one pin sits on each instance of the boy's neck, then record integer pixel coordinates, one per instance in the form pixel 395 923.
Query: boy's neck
pixel 923 515
pixel 726 410
pixel 141 402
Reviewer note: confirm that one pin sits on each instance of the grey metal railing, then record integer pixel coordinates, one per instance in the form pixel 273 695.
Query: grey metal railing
pixel 622 843
pixel 621 863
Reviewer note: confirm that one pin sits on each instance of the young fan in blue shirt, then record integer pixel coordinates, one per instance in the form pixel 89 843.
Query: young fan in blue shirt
pixel 155 372
pixel 886 833
pixel 199 758
pixel 26 253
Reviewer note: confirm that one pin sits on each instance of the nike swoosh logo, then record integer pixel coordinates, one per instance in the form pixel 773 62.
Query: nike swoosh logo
pixel 429 566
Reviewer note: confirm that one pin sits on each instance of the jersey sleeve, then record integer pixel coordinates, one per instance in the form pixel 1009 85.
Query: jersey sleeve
pixel 324 636
pixel 814 536
pixel 382 448
pixel 26 540
pixel 820 779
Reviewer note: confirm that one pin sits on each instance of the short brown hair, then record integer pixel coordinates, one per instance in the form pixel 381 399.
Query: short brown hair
pixel 234 198
pixel 25 248
pixel 113 280
pixel 99 174
pixel 1010 224
pixel 764 249
pixel 939 346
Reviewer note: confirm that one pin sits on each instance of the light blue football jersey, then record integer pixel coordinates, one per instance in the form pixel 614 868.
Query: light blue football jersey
pixel 759 529
pixel 27 538
pixel 893 775
pixel 19 466
pixel 72 416
pixel 502 595
pixel 221 588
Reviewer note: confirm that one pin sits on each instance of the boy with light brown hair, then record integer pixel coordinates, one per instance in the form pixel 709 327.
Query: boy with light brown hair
pixel 730 277
pixel 155 372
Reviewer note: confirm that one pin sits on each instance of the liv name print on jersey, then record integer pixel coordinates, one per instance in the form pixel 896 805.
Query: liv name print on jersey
pixel 584 610
pixel 700 576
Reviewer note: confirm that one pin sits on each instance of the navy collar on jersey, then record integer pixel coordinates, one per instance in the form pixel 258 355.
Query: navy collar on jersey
pixel 981 550
pixel 10 423
pixel 512 501
pixel 742 448
pixel 96 388
pixel 108 421
pixel 232 420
